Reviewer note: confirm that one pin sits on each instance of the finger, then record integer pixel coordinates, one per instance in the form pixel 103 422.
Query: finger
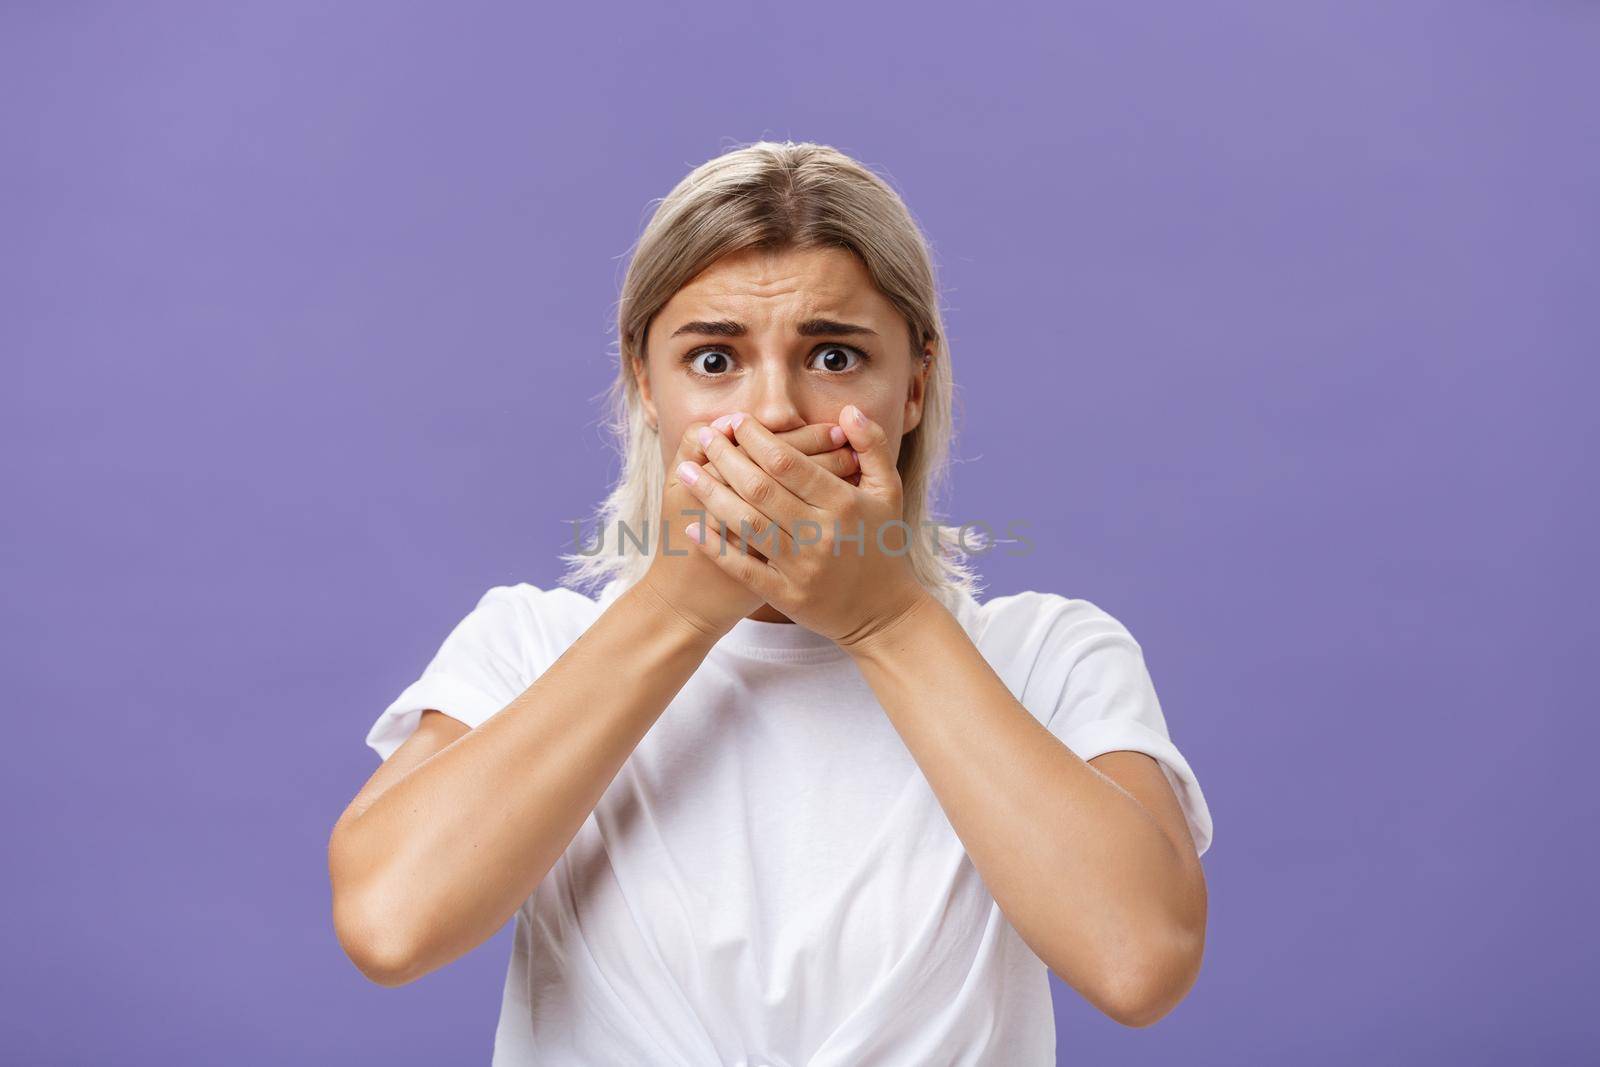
pixel 755 575
pixel 702 514
pixel 756 486
pixel 814 439
pixel 823 442
pixel 754 526
pixel 841 463
pixel 732 537
pixel 689 448
pixel 735 543
pixel 871 444
pixel 807 484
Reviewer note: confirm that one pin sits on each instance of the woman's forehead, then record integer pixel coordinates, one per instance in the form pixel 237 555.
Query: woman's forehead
pixel 758 290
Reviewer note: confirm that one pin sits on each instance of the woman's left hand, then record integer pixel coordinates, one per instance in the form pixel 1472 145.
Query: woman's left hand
pixel 837 554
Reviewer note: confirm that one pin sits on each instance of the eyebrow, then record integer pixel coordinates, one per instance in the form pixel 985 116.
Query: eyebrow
pixel 808 328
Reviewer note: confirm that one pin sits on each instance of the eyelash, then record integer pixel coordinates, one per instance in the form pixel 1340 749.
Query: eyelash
pixel 690 357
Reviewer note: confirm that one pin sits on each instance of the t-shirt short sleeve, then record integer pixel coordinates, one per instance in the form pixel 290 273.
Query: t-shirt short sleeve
pixel 1082 674
pixel 482 666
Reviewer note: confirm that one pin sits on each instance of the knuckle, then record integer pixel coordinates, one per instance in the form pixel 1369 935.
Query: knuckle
pixel 759 492
pixel 783 463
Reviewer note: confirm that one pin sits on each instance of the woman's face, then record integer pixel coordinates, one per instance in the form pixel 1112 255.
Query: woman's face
pixel 789 337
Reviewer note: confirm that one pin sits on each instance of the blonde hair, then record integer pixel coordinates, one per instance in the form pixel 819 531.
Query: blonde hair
pixel 778 196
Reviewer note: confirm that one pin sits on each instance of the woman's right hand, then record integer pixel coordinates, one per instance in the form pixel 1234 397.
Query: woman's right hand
pixel 689 581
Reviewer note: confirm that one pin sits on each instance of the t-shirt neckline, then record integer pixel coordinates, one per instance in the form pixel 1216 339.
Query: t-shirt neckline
pixel 787 641
pixel 780 640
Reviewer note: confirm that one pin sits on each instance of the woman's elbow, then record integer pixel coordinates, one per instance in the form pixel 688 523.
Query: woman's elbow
pixel 369 927
pixel 377 946
pixel 1149 985
pixel 387 969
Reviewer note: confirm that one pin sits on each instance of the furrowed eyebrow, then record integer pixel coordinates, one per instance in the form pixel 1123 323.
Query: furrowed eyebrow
pixel 808 328
pixel 826 327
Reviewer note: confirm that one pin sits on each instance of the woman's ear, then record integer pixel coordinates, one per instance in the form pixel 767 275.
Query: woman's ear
pixel 643 379
pixel 918 391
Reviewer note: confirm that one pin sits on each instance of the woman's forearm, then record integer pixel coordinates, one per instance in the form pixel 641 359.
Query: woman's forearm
pixel 438 862
pixel 1084 873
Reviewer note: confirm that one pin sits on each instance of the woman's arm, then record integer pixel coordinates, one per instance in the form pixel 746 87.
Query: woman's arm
pixel 1093 877
pixel 458 827
pixel 430 865
pixel 1092 873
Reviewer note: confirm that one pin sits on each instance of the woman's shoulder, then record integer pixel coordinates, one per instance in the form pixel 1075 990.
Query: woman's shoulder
pixel 541 612
pixel 1033 619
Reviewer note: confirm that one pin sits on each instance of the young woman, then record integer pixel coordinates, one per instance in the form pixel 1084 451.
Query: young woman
pixel 783 791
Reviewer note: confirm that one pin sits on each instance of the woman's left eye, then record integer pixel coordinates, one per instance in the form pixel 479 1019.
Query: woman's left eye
pixel 832 358
pixel 835 359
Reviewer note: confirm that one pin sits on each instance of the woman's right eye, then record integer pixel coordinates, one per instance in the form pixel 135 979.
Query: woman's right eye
pixel 708 362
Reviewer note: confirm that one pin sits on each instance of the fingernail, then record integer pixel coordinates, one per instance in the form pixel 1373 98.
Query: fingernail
pixel 838 436
pixel 721 421
pixel 735 420
pixel 693 530
pixel 859 416
pixel 706 434
pixel 688 472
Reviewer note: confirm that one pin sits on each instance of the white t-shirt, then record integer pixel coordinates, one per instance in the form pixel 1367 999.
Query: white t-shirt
pixel 770 881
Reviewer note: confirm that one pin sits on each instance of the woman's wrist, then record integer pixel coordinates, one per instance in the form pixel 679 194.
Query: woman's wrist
pixel 645 599
pixel 920 606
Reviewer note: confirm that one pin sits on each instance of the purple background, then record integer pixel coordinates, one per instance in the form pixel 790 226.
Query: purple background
pixel 1277 322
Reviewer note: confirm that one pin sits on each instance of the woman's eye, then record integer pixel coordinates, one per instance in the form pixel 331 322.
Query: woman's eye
pixel 712 362
pixel 836 358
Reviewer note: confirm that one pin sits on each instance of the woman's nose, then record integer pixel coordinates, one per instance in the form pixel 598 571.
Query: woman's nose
pixel 774 400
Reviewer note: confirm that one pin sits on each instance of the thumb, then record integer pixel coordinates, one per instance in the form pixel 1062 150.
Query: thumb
pixel 871 445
